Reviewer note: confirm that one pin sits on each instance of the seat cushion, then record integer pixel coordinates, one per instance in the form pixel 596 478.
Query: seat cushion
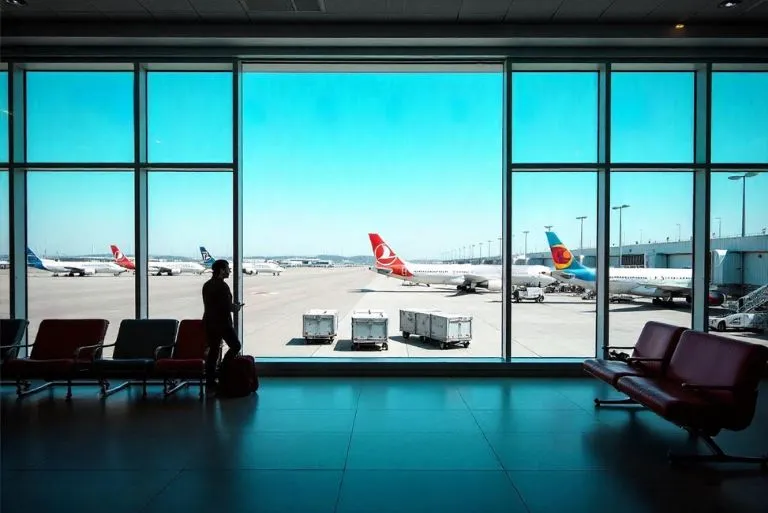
pixel 611 370
pixel 681 406
pixel 123 366
pixel 195 366
pixel 26 368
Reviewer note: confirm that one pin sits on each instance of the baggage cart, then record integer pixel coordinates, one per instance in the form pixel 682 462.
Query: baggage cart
pixel 450 329
pixel 409 318
pixel 370 327
pixel 320 326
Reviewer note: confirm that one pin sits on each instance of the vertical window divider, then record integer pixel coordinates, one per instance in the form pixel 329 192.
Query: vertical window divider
pixel 141 179
pixel 506 180
pixel 237 191
pixel 603 209
pixel 702 147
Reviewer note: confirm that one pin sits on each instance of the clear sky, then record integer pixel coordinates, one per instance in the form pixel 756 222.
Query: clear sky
pixel 329 157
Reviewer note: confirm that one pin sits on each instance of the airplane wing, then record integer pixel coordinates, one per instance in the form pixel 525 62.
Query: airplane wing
pixel 74 269
pixel 470 278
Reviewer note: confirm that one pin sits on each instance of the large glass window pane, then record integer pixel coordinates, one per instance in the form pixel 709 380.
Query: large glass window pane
pixel 739 117
pixel 556 242
pixel 652 117
pixel 651 260
pixel 330 158
pixel 73 218
pixel 738 305
pixel 554 117
pixel 187 211
pixel 190 116
pixel 5 307
pixel 79 116
pixel 4 117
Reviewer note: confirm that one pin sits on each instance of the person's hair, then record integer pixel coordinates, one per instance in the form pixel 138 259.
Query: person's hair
pixel 219 265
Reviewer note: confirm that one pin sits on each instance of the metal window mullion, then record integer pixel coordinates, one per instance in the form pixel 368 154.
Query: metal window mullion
pixel 141 192
pixel 17 196
pixel 506 181
pixel 701 197
pixel 603 210
pixel 237 191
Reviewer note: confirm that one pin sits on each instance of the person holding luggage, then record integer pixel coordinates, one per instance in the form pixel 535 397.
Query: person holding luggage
pixel 217 320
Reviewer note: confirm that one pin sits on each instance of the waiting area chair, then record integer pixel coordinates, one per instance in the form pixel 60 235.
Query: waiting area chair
pixel 133 358
pixel 187 359
pixel 11 334
pixel 63 349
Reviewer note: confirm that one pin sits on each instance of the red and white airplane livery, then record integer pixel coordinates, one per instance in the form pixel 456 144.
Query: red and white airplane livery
pixel 465 277
pixel 155 267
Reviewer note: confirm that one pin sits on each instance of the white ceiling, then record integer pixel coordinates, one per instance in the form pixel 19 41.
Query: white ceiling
pixel 382 11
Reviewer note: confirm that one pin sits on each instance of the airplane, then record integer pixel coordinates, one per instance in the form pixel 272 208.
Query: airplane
pixel 72 268
pixel 248 267
pixel 155 267
pixel 662 284
pixel 466 277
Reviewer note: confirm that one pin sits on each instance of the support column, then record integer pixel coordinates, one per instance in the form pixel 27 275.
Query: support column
pixel 701 197
pixel 17 195
pixel 506 187
pixel 603 210
pixel 237 192
pixel 141 191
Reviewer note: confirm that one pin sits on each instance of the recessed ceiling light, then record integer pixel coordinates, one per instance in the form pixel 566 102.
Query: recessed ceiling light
pixel 727 4
pixel 19 3
pixel 679 26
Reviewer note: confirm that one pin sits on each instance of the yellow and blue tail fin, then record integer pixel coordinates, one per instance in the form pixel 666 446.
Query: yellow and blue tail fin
pixel 561 255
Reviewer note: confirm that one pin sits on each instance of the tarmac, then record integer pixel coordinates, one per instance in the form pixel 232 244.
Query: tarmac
pixel 562 326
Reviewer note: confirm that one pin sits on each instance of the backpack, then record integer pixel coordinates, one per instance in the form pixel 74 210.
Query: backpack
pixel 238 377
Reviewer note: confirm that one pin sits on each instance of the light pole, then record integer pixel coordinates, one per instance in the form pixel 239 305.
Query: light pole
pixel 581 236
pixel 719 227
pixel 743 179
pixel 678 232
pixel 620 208
pixel 480 258
pixel 471 252
pixel 525 248
pixel 489 249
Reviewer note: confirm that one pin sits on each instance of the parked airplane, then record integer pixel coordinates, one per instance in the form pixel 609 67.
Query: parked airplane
pixel 662 284
pixel 72 268
pixel 466 277
pixel 155 267
pixel 248 267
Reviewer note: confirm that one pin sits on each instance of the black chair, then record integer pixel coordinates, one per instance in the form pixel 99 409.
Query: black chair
pixel 133 358
pixel 11 335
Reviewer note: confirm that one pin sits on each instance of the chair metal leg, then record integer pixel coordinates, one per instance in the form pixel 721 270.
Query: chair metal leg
pixel 718 456
pixel 69 390
pixel 23 388
pixel 175 387
pixel 202 388
pixel 601 402
pixel 144 388
pixel 106 392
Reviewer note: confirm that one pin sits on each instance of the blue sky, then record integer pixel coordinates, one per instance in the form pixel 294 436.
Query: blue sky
pixel 415 156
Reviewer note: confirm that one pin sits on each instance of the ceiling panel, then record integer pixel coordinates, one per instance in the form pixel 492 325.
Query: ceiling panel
pixel 158 6
pixel 122 6
pixel 217 6
pixel 83 6
pixel 171 15
pixel 333 7
pixel 676 10
pixel 241 16
pixel 581 10
pixel 269 5
pixel 528 10
pixel 494 7
pixel 436 8
pixel 629 9
pixel 711 11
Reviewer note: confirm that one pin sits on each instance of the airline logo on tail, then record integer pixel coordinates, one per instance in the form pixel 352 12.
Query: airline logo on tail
pixel 561 255
pixel 33 260
pixel 120 258
pixel 386 258
pixel 207 258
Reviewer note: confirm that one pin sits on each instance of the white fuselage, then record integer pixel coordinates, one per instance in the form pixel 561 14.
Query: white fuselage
pixel 483 276
pixel 81 268
pixel 646 282
pixel 262 267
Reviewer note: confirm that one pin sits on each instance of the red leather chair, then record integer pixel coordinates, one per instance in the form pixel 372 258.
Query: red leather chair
pixel 63 349
pixel 711 384
pixel 650 357
pixel 187 359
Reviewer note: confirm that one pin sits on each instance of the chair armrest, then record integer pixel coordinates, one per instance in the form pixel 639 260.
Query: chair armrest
pixel 161 348
pixel 694 386
pixel 618 347
pixel 635 359
pixel 17 344
pixel 82 348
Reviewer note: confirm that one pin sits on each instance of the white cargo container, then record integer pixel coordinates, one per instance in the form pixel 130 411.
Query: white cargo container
pixel 450 328
pixel 410 318
pixel 370 327
pixel 320 325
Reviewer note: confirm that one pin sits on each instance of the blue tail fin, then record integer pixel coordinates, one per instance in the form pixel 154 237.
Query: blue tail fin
pixel 208 260
pixel 561 255
pixel 33 261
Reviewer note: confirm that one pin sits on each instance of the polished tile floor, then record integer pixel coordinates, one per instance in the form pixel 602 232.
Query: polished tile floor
pixel 364 445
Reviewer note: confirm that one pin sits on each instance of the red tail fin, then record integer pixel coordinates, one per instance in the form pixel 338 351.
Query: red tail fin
pixel 385 256
pixel 121 259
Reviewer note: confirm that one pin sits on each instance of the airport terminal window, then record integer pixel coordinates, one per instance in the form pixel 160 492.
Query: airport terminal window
pixel 187 211
pixel 383 152
pixel 190 116
pixel 4 117
pixel 738 297
pixel 739 117
pixel 73 218
pixel 5 308
pixel 79 116
pixel 559 240
pixel 652 117
pixel 554 117
pixel 651 219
